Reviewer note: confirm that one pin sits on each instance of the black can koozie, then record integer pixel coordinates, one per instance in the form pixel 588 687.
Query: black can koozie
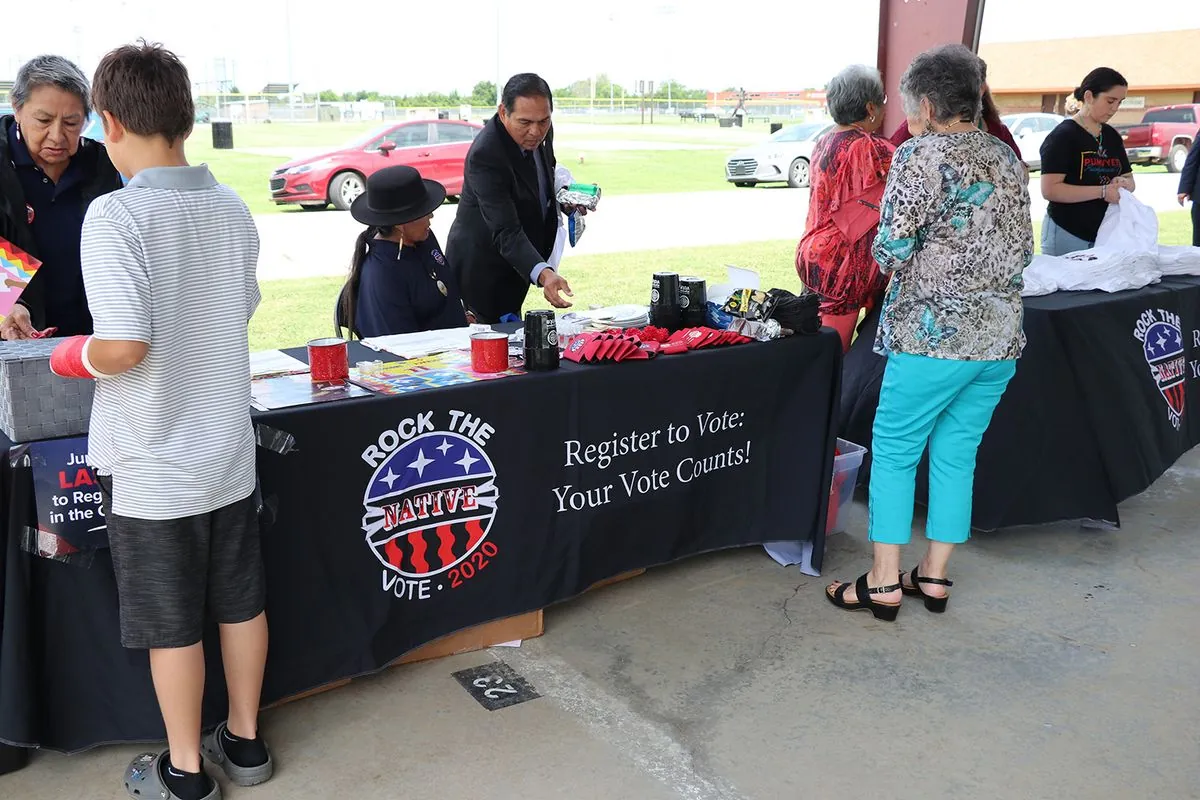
pixel 693 301
pixel 541 340
pixel 664 301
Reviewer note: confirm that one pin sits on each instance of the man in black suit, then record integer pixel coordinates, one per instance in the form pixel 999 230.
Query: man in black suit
pixel 503 233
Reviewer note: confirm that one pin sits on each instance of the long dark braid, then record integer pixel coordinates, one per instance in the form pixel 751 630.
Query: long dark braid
pixel 350 292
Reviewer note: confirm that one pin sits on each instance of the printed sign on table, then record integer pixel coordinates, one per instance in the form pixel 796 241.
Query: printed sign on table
pixel 66 493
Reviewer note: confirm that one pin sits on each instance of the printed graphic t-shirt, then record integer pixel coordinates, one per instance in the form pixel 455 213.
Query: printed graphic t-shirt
pixel 1071 151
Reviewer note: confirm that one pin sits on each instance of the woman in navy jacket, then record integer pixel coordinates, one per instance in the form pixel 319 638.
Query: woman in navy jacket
pixel 1189 187
pixel 399 279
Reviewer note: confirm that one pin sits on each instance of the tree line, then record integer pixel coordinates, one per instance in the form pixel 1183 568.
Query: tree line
pixel 484 94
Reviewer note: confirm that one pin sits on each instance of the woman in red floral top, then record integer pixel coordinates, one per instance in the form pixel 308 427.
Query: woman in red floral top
pixel 850 167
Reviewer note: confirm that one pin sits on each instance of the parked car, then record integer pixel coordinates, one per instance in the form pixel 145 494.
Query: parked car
pixel 436 148
pixel 1030 130
pixel 1164 136
pixel 783 158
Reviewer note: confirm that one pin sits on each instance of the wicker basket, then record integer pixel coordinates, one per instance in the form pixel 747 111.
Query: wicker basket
pixel 34 402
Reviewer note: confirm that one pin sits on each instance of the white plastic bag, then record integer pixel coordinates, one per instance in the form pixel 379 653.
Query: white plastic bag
pixel 1124 257
pixel 1129 225
pixel 562 177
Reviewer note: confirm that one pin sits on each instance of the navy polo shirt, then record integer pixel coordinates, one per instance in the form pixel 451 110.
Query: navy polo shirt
pixel 58 213
pixel 397 292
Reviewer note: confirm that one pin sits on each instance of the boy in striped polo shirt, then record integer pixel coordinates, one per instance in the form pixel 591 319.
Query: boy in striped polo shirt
pixel 169 266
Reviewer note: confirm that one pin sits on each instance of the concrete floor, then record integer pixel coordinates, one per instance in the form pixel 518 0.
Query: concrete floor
pixel 1065 667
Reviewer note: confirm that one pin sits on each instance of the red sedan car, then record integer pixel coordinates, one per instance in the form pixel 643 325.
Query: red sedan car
pixel 436 148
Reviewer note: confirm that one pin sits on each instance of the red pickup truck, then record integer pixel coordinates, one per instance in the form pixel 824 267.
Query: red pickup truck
pixel 1162 137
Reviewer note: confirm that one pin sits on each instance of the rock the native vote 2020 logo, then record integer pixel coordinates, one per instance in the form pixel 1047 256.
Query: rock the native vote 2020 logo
pixel 1163 348
pixel 430 504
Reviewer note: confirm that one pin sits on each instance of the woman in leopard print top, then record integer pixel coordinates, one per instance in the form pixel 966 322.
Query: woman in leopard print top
pixel 955 236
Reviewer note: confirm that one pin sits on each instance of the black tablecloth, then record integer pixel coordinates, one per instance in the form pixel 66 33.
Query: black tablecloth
pixel 1088 420
pixel 340 605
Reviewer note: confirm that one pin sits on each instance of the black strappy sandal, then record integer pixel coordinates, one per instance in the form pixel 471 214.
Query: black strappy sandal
pixel 935 604
pixel 884 611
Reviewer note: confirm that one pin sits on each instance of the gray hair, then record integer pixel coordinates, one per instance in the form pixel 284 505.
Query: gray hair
pixel 849 92
pixel 53 71
pixel 950 77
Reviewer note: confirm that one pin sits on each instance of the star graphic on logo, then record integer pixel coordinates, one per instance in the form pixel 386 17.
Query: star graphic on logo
pixel 421 463
pixel 1162 341
pixel 444 446
pixel 466 461
pixel 390 478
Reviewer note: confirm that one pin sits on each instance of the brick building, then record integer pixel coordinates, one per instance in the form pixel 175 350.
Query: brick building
pixel 1162 69
pixel 802 97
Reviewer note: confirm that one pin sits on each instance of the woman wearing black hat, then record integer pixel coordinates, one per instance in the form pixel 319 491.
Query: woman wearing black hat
pixel 399 279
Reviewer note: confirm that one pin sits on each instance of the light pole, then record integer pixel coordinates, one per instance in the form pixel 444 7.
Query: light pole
pixel 499 79
pixel 612 94
pixel 664 12
pixel 287 22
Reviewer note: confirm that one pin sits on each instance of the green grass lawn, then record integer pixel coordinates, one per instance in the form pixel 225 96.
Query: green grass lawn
pixel 294 311
pixel 648 171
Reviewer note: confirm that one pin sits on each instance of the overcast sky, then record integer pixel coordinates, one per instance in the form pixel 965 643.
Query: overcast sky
pixel 409 47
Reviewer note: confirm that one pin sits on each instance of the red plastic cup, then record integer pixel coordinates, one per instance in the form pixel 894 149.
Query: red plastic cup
pixel 328 360
pixel 489 352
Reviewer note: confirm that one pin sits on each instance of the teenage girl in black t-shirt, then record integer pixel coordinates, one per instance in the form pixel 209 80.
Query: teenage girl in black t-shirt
pixel 1084 166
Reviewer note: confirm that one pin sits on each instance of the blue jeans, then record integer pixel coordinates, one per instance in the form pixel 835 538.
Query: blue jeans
pixel 1057 242
pixel 948 405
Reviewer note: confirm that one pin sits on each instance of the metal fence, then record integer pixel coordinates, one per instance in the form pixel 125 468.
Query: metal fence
pixel 251 108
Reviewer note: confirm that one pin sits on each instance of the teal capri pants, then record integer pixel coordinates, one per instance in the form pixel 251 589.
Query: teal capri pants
pixel 947 405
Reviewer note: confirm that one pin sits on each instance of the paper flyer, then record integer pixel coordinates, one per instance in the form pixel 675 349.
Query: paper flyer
pixel 432 372
pixel 270 363
pixel 18 268
pixel 285 391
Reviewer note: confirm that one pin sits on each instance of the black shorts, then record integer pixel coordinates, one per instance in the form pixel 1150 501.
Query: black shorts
pixel 173 573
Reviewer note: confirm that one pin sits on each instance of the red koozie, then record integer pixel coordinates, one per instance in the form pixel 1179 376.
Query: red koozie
pixel 624 348
pixel 591 349
pixel 695 338
pixel 579 343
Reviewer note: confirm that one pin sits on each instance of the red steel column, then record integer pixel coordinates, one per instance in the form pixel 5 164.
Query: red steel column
pixel 907 27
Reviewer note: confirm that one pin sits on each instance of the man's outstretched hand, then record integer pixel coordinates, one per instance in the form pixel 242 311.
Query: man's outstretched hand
pixel 553 287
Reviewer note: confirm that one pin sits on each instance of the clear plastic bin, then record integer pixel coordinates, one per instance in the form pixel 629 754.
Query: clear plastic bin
pixel 845 478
